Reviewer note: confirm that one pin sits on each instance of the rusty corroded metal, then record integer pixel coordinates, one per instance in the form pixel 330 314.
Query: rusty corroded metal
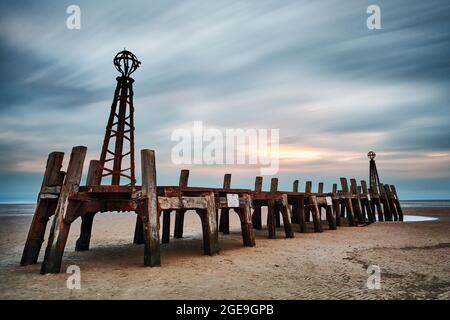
pixel 120 127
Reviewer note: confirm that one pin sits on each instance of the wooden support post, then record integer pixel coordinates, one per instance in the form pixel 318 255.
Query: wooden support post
pixel 284 209
pixel 391 201
pixel 308 189
pixel 330 218
pixel 348 202
pixel 367 202
pixel 245 214
pixel 138 231
pixel 356 201
pixel 60 228
pixel 295 186
pixel 274 188
pixel 271 218
pixel 179 214
pixel 376 203
pixel 320 191
pixel 209 226
pixel 301 214
pixel 336 205
pixel 384 200
pixel 43 210
pixel 149 212
pixel 337 211
pixel 320 188
pixel 166 226
pixel 295 208
pixel 256 218
pixel 312 201
pixel 224 224
pixel 397 203
pixel 87 218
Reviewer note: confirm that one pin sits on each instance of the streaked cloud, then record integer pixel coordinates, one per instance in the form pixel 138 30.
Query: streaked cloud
pixel 311 69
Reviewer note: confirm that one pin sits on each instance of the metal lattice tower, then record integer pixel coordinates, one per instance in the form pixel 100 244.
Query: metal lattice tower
pixel 120 127
pixel 373 173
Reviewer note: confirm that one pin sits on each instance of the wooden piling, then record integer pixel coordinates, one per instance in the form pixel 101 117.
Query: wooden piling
pixel 271 218
pixel 224 225
pixel 179 214
pixel 166 226
pixel 43 210
pixel 256 217
pixel 390 198
pixel 285 210
pixel 336 205
pixel 87 218
pixel 60 228
pixel 312 203
pixel 384 200
pixel 295 206
pixel 366 202
pixel 209 226
pixel 138 231
pixel 397 203
pixel 245 214
pixel 348 202
pixel 274 188
pixel 376 203
pixel 308 189
pixel 356 201
pixel 149 213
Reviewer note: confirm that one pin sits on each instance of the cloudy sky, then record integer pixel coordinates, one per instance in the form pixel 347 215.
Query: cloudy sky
pixel 312 69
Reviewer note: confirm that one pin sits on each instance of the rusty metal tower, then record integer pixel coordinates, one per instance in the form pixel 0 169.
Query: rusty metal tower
pixel 373 172
pixel 116 160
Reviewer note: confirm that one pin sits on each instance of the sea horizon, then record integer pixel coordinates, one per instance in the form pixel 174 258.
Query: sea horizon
pixel 27 208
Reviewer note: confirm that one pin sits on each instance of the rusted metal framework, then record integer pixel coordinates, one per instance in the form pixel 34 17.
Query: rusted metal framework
pixel 64 198
pixel 120 127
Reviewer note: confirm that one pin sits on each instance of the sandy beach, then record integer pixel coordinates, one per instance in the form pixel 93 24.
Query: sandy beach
pixel 414 258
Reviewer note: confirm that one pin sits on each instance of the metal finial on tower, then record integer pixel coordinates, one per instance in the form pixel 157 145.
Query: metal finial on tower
pixel 126 63
pixel 371 155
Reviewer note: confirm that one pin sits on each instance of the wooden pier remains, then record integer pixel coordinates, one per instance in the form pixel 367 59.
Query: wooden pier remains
pixel 63 198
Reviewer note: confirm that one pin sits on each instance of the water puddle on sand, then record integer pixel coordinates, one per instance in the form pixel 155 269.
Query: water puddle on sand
pixel 407 218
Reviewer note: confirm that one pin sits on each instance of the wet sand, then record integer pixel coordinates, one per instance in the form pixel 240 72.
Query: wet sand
pixel 414 258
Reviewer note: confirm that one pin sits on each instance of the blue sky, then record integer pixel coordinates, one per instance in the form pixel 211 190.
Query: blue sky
pixel 309 68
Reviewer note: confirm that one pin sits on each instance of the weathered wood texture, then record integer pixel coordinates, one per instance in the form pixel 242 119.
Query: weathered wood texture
pixel 149 209
pixel 356 201
pixel 224 223
pixel 276 211
pixel 179 214
pixel 385 202
pixel 60 228
pixel 209 226
pixel 295 205
pixel 314 208
pixel 397 203
pixel 308 189
pixel 245 214
pixel 43 211
pixel 348 202
pixel 366 202
pixel 256 217
pixel 87 219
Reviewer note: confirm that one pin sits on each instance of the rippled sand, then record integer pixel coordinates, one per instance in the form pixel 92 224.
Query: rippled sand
pixel 414 258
